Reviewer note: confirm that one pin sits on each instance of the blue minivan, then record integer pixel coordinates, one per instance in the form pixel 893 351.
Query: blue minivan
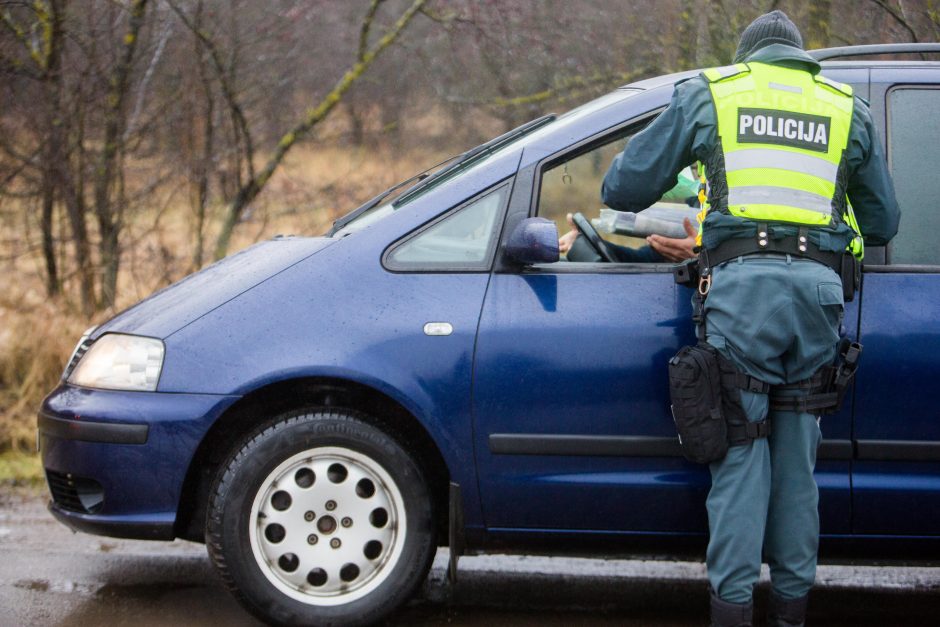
pixel 324 412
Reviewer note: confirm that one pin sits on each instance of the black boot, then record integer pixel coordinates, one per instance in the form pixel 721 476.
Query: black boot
pixel 786 612
pixel 725 614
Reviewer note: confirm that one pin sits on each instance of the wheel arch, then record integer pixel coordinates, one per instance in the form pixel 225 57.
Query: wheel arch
pixel 272 399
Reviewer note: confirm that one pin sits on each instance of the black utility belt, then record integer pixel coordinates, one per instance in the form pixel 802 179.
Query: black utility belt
pixel 842 263
pixel 797 246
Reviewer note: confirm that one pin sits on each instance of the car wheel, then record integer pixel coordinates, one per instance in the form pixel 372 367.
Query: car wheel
pixel 321 518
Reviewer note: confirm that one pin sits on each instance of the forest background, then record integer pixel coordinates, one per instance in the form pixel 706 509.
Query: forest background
pixel 142 139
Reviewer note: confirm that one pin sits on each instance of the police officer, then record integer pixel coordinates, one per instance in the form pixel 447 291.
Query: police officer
pixel 795 173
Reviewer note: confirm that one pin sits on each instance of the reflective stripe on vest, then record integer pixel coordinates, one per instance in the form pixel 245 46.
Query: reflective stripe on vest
pixel 782 133
pixel 747 199
pixel 780 160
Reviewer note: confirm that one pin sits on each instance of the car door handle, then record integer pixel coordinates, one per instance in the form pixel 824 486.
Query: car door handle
pixel 438 328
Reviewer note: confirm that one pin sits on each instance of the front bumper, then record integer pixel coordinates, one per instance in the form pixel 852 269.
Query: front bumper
pixel 133 447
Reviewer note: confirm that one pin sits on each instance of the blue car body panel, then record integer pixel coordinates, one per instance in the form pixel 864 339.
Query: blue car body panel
pixel 582 355
pixel 548 402
pixel 143 482
pixel 373 340
pixel 896 413
pixel 289 327
pixel 179 304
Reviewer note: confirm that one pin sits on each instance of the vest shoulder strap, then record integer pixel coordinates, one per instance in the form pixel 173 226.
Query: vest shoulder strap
pixel 842 88
pixel 715 74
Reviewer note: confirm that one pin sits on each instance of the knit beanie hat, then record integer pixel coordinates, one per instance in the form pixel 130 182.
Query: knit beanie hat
pixel 771 28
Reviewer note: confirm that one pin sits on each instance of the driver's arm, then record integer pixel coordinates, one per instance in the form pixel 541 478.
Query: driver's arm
pixel 660 248
pixel 581 251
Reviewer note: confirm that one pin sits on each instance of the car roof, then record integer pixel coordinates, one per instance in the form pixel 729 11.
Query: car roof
pixel 675 77
pixel 660 81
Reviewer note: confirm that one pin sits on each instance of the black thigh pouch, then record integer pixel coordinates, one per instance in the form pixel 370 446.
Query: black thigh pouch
pixel 702 407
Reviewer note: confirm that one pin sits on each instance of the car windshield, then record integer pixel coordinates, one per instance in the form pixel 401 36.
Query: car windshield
pixel 375 209
pixel 387 203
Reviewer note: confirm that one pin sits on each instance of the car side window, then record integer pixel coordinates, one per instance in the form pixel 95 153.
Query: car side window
pixel 914 157
pixel 462 240
pixel 573 183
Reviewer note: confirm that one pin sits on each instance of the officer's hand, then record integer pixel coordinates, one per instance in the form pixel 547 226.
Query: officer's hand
pixel 567 240
pixel 675 249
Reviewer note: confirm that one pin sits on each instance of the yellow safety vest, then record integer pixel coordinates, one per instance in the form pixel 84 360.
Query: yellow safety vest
pixel 782 133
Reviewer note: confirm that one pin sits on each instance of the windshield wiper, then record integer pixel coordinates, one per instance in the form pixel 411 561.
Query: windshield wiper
pixel 372 202
pixel 487 148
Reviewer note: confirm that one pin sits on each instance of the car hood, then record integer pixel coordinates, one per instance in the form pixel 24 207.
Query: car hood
pixel 176 306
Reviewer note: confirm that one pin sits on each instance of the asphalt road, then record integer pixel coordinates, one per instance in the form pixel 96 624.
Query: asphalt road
pixel 50 576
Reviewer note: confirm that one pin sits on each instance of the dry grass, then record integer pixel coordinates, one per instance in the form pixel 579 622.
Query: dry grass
pixel 37 334
pixel 20 470
pixel 35 345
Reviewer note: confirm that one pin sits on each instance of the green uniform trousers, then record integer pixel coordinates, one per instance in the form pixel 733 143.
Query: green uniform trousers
pixel 777 318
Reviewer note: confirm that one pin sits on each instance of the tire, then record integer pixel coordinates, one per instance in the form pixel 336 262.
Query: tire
pixel 320 519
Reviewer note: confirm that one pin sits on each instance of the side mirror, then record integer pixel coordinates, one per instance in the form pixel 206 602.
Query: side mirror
pixel 534 240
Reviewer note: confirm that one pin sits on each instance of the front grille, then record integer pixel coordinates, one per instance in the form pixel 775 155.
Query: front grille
pixel 75 494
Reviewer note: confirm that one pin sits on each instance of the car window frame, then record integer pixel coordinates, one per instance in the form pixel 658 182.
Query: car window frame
pixel 575 150
pixel 485 266
pixel 887 266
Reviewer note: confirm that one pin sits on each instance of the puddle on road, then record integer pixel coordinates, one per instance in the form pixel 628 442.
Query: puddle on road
pixel 159 603
pixel 64 587
pixel 150 591
pixel 37 585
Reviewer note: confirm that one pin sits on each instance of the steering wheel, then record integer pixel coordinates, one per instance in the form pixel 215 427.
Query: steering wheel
pixel 586 229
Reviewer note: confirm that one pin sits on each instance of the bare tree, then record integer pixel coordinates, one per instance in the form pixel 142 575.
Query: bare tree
pixel 818 31
pixel 103 101
pixel 898 14
pixel 366 55
pixel 108 170
pixel 42 62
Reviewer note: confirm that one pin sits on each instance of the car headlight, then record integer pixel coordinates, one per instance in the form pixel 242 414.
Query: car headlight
pixel 120 362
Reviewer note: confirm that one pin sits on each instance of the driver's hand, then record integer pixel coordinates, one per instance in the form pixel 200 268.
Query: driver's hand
pixel 567 240
pixel 675 249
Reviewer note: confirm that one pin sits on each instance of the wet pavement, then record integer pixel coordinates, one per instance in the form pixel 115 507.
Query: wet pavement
pixel 50 576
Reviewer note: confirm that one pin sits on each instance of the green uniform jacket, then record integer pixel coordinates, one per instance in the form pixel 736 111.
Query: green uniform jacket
pixel 688 130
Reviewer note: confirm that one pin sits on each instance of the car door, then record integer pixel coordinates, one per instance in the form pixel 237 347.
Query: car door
pixel 572 423
pixel 896 476
pixel 572 427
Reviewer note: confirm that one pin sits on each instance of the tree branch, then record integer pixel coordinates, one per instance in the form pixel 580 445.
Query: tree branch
pixel 898 17
pixel 145 81
pixel 565 89
pixel 313 116
pixel 239 122
pixel 364 31
pixel 20 35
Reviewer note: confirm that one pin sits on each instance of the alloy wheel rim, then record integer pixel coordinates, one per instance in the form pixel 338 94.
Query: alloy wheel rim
pixel 327 526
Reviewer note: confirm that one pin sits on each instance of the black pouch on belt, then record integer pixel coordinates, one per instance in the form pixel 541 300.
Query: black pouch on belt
pixel 695 390
pixel 705 388
pixel 850 275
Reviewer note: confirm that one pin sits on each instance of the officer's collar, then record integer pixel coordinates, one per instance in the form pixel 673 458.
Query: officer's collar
pixel 782 54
